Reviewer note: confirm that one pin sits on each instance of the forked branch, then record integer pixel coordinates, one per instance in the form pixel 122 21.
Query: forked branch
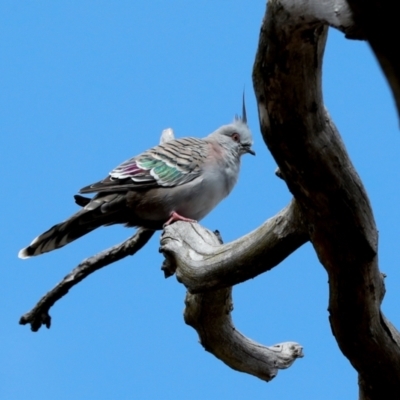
pixel 203 263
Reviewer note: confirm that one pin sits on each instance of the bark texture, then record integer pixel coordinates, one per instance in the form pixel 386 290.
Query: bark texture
pixel 314 163
pixel 204 265
pixel 189 246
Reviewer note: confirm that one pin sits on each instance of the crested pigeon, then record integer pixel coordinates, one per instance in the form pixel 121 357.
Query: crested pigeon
pixel 180 179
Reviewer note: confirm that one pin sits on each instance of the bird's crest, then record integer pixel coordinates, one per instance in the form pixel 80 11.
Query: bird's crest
pixel 242 118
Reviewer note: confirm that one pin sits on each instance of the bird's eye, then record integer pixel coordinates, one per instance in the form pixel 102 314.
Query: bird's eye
pixel 236 137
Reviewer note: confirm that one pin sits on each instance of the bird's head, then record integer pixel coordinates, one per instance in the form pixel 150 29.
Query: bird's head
pixel 237 135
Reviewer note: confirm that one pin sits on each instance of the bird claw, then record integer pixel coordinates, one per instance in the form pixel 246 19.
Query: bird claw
pixel 176 217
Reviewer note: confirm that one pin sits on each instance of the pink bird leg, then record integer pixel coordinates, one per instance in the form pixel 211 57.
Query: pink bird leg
pixel 176 217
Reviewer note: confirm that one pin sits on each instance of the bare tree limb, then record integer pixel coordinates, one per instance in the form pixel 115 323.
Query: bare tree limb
pixel 210 315
pixel 39 315
pixel 314 163
pixel 201 265
pixel 204 264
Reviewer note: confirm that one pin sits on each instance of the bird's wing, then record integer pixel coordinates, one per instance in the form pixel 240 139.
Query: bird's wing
pixel 170 164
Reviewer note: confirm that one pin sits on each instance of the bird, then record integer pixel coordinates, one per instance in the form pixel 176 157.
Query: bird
pixel 178 180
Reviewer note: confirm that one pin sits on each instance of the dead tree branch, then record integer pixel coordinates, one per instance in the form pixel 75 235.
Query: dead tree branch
pixel 314 163
pixel 196 253
pixel 202 265
pixel 39 315
pixel 210 315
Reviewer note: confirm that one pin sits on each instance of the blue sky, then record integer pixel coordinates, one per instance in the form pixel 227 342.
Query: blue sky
pixel 84 86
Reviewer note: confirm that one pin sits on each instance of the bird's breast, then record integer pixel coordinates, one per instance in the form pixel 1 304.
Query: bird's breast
pixel 199 199
pixel 194 199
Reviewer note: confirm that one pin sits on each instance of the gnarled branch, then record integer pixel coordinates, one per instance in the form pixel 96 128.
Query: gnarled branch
pixel 210 315
pixel 201 265
pixel 196 254
pixel 314 163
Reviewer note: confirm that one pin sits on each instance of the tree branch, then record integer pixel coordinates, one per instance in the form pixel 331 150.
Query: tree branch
pixel 202 265
pixel 210 315
pixel 39 315
pixel 314 163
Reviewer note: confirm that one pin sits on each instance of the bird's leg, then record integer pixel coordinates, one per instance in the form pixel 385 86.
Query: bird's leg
pixel 176 217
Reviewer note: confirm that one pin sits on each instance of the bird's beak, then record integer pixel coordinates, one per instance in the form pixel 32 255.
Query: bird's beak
pixel 249 150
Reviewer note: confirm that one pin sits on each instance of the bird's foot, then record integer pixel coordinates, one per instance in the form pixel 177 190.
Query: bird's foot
pixel 176 217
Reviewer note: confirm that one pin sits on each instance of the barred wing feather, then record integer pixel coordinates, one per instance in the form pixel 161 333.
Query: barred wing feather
pixel 170 164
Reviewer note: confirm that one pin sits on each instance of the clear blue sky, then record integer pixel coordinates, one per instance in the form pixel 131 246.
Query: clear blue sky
pixel 84 86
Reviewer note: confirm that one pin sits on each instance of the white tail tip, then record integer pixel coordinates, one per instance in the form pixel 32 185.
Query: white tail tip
pixel 23 254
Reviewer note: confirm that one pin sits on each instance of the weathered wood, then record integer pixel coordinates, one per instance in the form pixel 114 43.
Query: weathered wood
pixel 203 266
pixel 314 163
pixel 199 253
pixel 210 315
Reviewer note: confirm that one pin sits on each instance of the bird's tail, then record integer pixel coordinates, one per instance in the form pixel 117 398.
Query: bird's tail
pixel 97 212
